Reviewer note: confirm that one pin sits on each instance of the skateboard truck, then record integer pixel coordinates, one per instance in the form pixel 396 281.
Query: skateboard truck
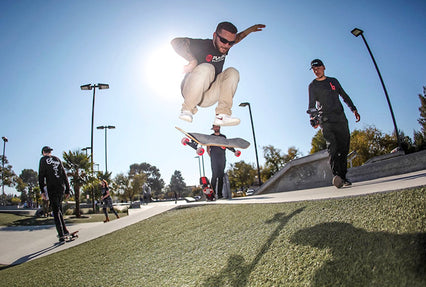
pixel 194 145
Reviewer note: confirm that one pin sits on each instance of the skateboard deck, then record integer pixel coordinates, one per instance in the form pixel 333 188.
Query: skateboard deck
pixel 210 140
pixel 72 236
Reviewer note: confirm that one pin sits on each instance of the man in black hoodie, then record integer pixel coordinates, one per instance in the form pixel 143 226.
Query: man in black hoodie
pixel 54 184
pixel 324 98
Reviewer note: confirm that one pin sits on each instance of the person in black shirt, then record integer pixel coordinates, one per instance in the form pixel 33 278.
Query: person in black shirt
pixel 205 83
pixel 54 183
pixel 218 162
pixel 324 95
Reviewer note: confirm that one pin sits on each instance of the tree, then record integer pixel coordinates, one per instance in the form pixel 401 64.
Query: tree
pixel 22 188
pixel 177 183
pixel 241 174
pixel 419 141
pixel 318 142
pixel 153 176
pixel 369 143
pixel 77 164
pixel 29 179
pixel 121 184
pixel 275 160
pixel 420 137
pixel 136 185
pixel 422 110
pixel 8 175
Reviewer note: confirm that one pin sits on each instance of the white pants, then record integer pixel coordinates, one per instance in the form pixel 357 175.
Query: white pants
pixel 201 89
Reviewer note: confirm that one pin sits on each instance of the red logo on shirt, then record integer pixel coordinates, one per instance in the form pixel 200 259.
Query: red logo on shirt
pixel 332 87
pixel 209 58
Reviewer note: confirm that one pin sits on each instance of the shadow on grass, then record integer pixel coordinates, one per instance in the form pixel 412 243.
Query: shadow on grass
pixel 237 271
pixel 367 258
pixel 32 220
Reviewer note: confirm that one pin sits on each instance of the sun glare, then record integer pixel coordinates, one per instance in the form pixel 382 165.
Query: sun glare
pixel 164 71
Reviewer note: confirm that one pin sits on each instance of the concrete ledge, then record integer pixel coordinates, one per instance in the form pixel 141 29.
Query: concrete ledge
pixel 314 171
pixel 382 167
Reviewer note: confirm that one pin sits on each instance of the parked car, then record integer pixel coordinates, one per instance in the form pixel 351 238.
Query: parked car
pixel 250 191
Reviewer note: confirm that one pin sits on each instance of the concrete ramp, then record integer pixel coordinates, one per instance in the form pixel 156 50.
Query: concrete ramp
pixel 306 172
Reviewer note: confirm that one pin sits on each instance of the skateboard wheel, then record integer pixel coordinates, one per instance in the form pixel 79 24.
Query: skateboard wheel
pixel 185 141
pixel 223 147
pixel 237 153
pixel 200 151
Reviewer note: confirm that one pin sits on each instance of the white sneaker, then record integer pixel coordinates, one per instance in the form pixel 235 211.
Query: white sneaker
pixel 226 120
pixel 186 116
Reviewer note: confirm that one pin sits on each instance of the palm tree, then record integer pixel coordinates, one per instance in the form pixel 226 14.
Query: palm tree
pixel 77 165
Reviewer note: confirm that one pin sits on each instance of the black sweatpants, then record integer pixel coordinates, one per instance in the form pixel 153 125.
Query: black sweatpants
pixel 218 172
pixel 338 138
pixel 56 204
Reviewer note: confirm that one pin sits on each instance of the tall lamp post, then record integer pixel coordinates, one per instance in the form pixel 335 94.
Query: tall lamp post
pixel 5 140
pixel 254 139
pixel 199 164
pixel 106 158
pixel 358 32
pixel 93 87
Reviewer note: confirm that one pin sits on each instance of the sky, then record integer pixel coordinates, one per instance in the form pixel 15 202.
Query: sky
pixel 50 48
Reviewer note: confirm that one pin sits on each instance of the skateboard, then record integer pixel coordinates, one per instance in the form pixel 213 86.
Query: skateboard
pixel 195 139
pixel 72 236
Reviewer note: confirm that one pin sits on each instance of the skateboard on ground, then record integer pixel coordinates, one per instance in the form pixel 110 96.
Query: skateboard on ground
pixel 72 236
pixel 195 139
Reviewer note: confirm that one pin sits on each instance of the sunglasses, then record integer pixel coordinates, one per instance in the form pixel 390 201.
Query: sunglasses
pixel 225 41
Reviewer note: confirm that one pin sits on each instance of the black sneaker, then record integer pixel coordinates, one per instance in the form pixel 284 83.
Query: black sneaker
pixel 346 182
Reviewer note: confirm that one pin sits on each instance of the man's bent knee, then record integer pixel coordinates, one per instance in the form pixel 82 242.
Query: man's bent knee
pixel 232 73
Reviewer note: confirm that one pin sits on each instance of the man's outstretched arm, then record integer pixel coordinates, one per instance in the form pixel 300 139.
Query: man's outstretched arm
pixel 243 34
pixel 181 47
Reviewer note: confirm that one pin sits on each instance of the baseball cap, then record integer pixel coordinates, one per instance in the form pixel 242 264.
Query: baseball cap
pixel 316 63
pixel 215 126
pixel 46 149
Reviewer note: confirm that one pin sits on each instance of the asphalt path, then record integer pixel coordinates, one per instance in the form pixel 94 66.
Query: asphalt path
pixel 19 244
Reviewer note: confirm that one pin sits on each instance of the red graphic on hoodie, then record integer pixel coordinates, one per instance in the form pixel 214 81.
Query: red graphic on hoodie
pixel 209 58
pixel 332 87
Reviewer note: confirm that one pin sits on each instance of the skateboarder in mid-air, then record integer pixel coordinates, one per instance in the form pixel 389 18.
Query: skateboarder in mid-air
pixel 324 101
pixel 205 83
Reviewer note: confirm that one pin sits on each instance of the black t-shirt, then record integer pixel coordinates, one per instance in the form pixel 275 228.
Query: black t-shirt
pixel 104 191
pixel 204 51
pixel 217 153
pixel 324 95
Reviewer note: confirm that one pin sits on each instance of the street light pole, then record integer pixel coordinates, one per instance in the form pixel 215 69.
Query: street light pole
pixel 90 87
pixel 357 32
pixel 199 164
pixel 254 139
pixel 5 140
pixel 106 157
